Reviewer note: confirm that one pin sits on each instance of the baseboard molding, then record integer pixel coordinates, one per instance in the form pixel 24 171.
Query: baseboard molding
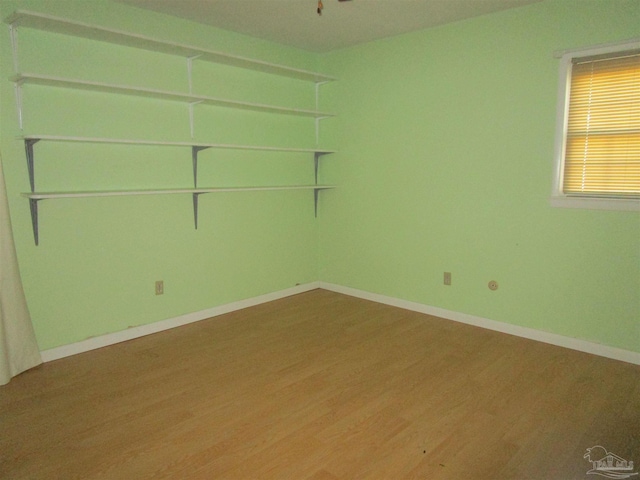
pixel 143 330
pixel 532 334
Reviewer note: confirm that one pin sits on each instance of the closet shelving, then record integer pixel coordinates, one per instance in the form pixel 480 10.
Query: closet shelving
pixel 40 21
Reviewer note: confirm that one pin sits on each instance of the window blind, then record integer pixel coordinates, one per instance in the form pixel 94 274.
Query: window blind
pixel 602 150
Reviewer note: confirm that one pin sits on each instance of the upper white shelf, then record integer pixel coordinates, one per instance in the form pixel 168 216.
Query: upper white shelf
pixel 51 81
pixel 50 23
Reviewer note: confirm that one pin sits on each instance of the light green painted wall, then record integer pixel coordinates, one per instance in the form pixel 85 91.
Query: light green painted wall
pixel 446 146
pixel 446 143
pixel 98 259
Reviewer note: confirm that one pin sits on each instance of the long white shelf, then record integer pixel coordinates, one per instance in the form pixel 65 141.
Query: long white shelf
pixel 196 147
pixel 200 145
pixel 35 197
pixel 168 191
pixel 65 26
pixel 50 81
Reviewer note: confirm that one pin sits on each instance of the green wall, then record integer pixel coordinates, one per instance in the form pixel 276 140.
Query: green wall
pixel 446 146
pixel 98 259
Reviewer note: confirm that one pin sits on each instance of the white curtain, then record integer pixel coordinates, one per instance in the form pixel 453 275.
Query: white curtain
pixel 18 347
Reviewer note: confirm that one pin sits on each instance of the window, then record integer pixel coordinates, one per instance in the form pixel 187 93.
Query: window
pixel 598 137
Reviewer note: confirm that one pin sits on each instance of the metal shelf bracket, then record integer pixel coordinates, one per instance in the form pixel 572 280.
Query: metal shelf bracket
pixel 28 148
pixel 195 207
pixel 316 163
pixel 316 194
pixel 194 160
pixel 33 206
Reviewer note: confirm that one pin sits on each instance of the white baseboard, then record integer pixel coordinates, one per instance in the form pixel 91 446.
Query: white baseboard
pixel 546 337
pixel 143 330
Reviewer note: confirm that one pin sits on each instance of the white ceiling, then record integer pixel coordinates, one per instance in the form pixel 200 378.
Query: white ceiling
pixel 342 24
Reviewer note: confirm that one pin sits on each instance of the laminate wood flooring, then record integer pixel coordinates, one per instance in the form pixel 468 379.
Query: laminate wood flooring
pixel 320 386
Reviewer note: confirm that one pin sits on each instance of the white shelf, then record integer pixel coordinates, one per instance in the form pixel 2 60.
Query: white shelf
pixel 49 81
pixel 200 145
pixel 35 197
pixel 57 25
pixel 50 23
pixel 168 191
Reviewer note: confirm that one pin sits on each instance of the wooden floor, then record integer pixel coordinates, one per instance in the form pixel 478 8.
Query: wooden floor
pixel 320 386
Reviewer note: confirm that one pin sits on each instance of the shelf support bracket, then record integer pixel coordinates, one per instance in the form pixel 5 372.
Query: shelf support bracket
pixel 318 119
pixel 316 195
pixel 195 208
pixel 17 87
pixel 191 126
pixel 28 148
pixel 318 85
pixel 13 32
pixel 316 163
pixel 194 160
pixel 190 71
pixel 33 206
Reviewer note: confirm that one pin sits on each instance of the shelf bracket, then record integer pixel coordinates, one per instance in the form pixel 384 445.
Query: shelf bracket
pixel 190 71
pixel 189 80
pixel 33 206
pixel 318 119
pixel 195 208
pixel 18 92
pixel 317 88
pixel 28 148
pixel 191 124
pixel 318 85
pixel 13 32
pixel 316 163
pixel 194 160
pixel 317 131
pixel 316 195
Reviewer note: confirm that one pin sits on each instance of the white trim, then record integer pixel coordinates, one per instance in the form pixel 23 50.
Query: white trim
pixel 600 49
pixel 143 330
pixel 524 332
pixel 564 81
pixel 593 203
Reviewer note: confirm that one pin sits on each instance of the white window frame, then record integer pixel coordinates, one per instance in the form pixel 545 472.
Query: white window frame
pixel 558 197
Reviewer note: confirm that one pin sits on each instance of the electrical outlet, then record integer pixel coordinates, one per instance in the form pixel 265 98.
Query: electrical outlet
pixel 447 278
pixel 159 287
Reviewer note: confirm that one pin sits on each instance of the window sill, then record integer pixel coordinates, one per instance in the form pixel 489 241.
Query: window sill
pixel 592 203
